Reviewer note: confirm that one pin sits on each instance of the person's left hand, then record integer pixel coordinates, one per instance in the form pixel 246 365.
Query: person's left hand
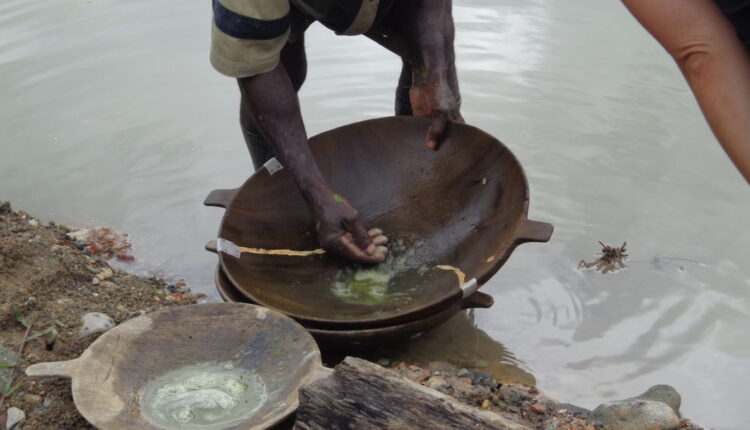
pixel 434 100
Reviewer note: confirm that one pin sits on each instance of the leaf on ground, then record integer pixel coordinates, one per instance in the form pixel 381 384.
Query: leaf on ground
pixel 4 365
pixel 20 318
pixel 42 333
pixel 9 388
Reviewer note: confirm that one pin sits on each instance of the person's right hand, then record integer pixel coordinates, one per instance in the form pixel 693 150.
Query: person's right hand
pixel 340 230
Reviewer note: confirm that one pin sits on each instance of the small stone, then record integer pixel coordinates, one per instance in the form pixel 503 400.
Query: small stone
pixel 33 223
pixel 538 408
pixel 485 403
pixel 32 398
pixel 462 388
pixel 436 382
pixel 96 281
pixel 14 417
pixel 105 274
pixel 511 395
pixel 108 284
pixel 130 315
pixel 95 322
pixel 463 373
pixel 441 366
pixel 384 362
pixel 125 257
pixel 657 409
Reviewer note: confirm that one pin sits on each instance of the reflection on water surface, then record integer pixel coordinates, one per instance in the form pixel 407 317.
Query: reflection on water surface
pixel 111 115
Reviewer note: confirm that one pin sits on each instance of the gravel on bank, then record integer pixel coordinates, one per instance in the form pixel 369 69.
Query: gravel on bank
pixel 49 284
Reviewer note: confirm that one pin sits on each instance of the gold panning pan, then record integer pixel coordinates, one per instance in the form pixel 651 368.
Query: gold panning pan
pixel 214 366
pixel 453 216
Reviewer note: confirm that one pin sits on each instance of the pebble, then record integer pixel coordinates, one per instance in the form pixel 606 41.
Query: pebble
pixel 463 372
pixel 33 223
pixel 384 362
pixel 656 409
pixel 32 398
pixel 95 322
pixel 436 382
pixel 108 284
pixel 441 366
pixel 463 388
pixel 538 408
pixel 95 281
pixel 15 416
pixel 105 274
pixel 511 396
pixel 130 315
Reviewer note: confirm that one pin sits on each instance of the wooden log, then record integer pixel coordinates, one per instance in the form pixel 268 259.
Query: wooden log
pixel 360 395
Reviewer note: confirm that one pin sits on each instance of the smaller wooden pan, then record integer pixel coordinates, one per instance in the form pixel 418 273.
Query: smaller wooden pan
pixel 109 377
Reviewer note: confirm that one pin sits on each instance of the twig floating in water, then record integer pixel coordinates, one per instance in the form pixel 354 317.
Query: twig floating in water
pixel 612 258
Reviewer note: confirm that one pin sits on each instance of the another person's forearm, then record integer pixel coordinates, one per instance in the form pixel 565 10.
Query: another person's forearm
pixel 276 114
pixel 714 62
pixel 721 84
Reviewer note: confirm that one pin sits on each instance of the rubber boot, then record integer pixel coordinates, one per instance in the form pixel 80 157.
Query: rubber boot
pixel 260 151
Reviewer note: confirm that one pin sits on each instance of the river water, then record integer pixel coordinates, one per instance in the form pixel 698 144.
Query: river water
pixel 111 115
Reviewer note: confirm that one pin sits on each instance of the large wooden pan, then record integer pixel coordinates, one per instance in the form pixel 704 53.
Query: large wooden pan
pixel 463 206
pixel 366 339
pixel 111 378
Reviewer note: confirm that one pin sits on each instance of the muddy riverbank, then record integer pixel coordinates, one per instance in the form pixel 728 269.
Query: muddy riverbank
pixel 47 284
pixel 50 279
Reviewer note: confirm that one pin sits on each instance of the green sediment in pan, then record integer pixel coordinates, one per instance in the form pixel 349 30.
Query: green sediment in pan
pixel 361 285
pixel 206 397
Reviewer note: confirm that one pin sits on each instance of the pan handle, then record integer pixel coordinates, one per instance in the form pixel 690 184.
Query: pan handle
pixel 211 247
pixel 220 198
pixel 477 300
pixel 533 231
pixel 54 368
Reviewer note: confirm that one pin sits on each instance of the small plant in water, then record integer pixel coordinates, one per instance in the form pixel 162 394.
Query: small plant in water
pixel 611 259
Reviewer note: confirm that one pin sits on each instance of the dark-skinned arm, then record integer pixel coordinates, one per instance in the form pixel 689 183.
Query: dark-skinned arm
pixel 276 113
pixel 422 32
pixel 715 64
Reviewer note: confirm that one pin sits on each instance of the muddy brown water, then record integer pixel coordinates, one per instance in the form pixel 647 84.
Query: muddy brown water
pixel 111 115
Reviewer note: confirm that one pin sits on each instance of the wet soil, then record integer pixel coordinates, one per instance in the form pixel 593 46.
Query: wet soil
pixel 48 283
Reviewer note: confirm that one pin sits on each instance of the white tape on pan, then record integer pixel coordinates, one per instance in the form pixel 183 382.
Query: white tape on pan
pixel 273 166
pixel 227 247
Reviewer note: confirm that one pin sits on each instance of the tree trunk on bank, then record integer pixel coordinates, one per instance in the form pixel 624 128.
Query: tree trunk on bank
pixel 360 395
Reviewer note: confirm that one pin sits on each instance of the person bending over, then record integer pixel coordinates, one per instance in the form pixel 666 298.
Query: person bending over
pixel 261 43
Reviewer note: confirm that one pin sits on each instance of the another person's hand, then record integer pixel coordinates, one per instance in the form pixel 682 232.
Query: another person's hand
pixel 340 230
pixel 433 98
